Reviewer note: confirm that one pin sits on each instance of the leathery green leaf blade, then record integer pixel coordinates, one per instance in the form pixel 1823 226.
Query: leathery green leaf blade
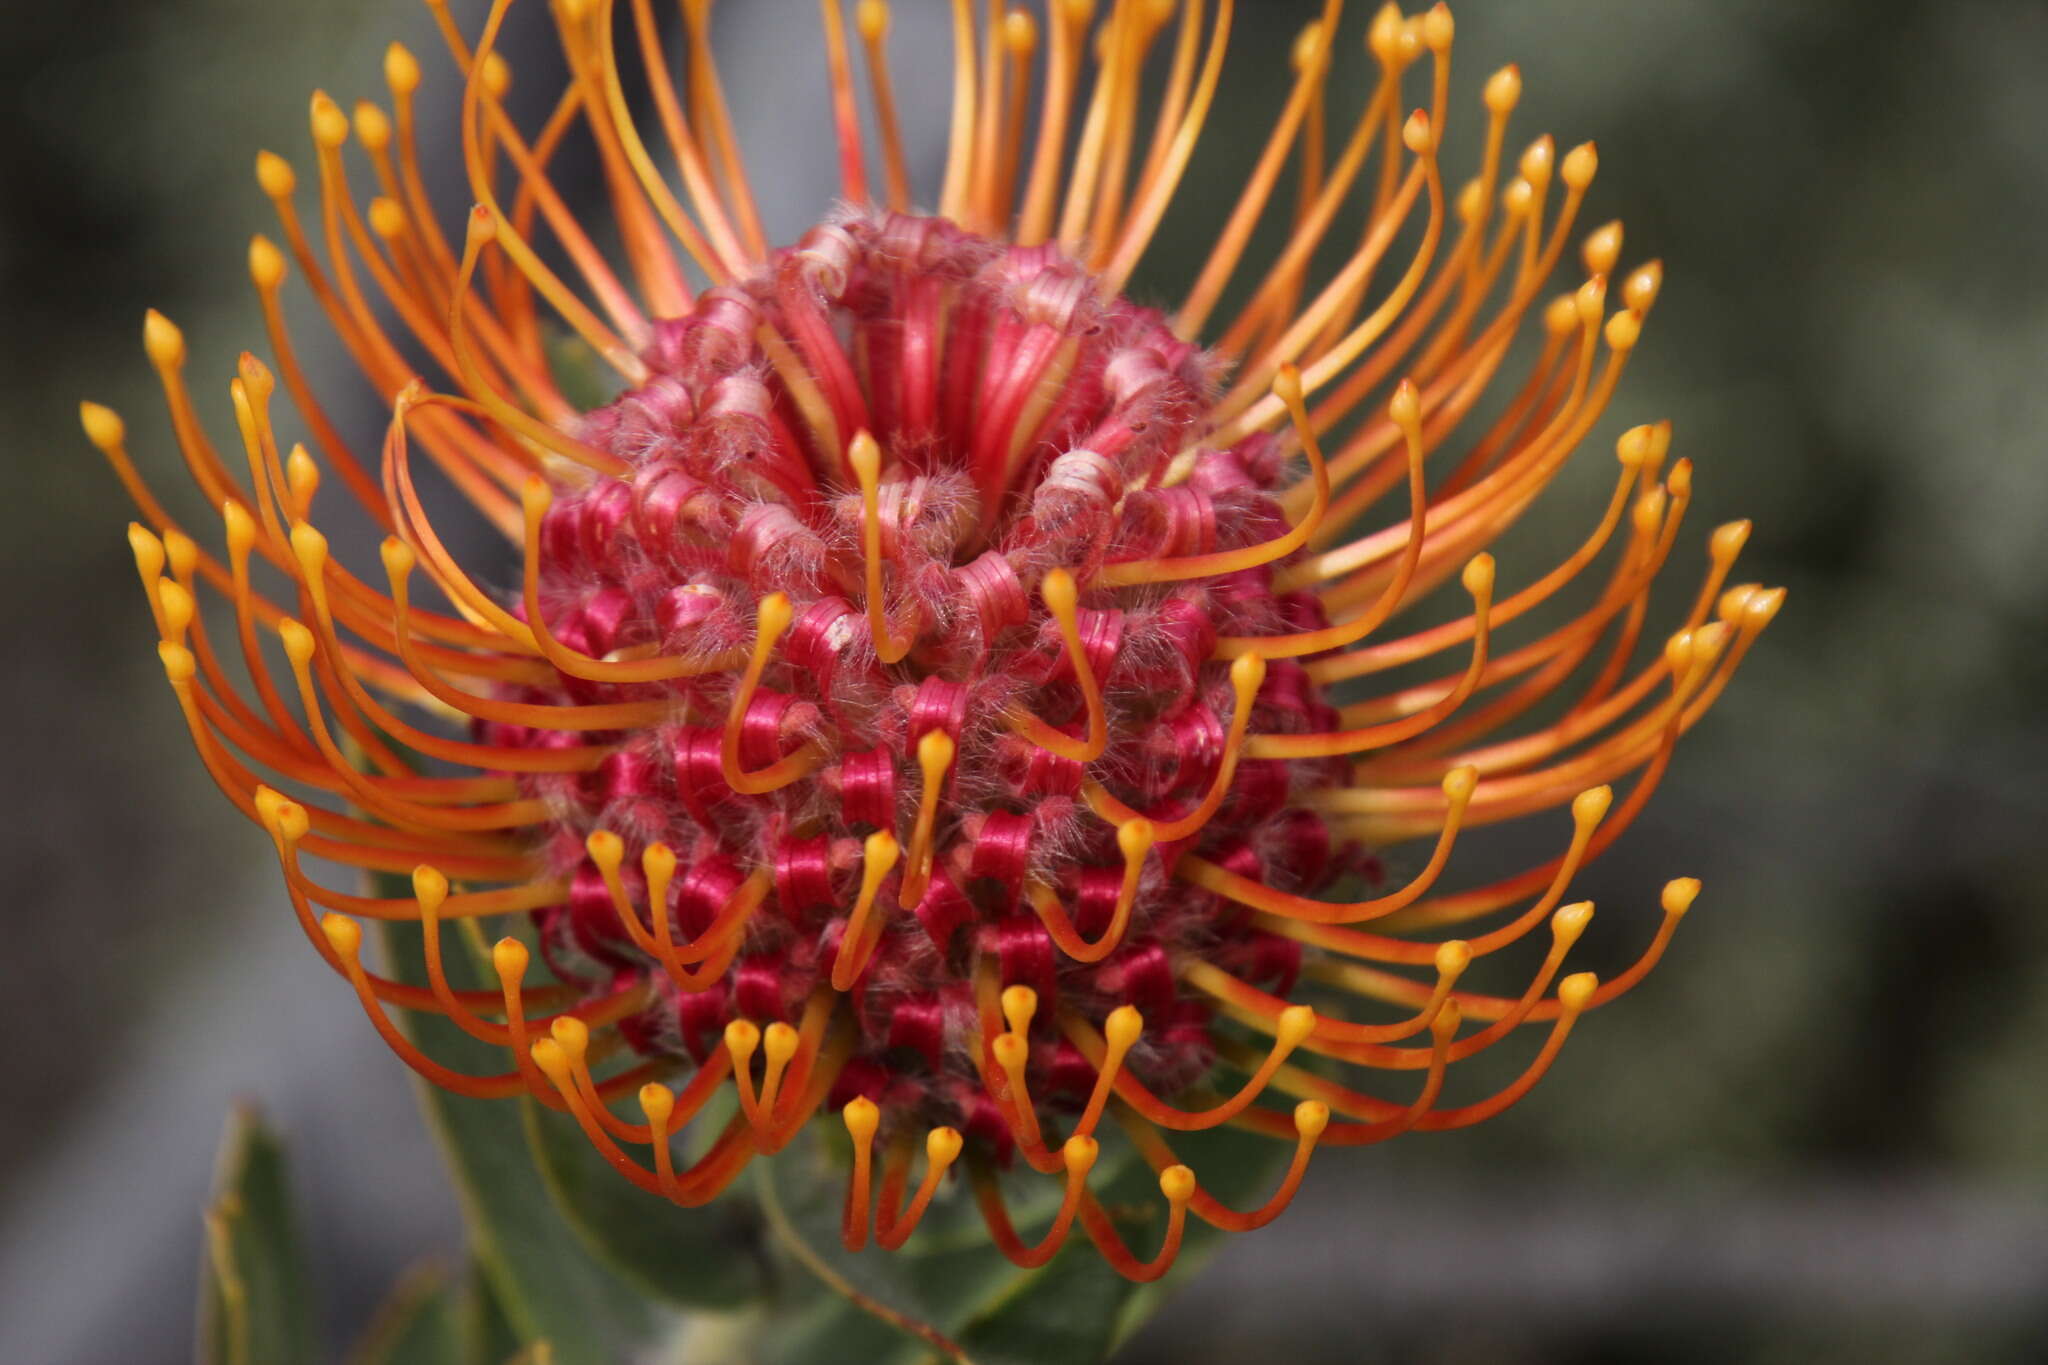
pixel 421 1323
pixel 709 1257
pixel 255 1301
pixel 548 1286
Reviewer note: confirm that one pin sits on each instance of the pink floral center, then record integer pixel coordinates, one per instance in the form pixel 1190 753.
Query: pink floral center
pixel 1026 425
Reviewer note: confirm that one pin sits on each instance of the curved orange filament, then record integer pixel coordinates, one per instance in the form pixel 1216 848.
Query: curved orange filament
pixel 693 1188
pixel 285 822
pixel 345 936
pixel 666 1112
pixel 857 943
pixel 617 301
pixel 872 19
pixel 941 1149
pixel 1120 1033
pixel 1296 1023
pixel 398 566
pixel 1134 838
pixel 1478 581
pixel 935 751
pixel 1068 21
pixel 771 618
pixel 1678 896
pixel 714 948
pixel 1159 186
pixel 311 549
pixel 1247 676
pixel 1406 411
pixel 1458 788
pixel 1589 809
pixel 1345 1100
pixel 1010 1053
pixel 299 648
pixel 368 846
pixel 1258 1009
pixel 1241 416
pixel 865 458
pixel 1311 1119
pixel 1177 1184
pixel 1573 995
pixel 1124 573
pixel 1062 600
pixel 708 110
pixel 1078 1157
pixel 1222 261
pixel 714 248
pixel 861 1118
pixel 536 498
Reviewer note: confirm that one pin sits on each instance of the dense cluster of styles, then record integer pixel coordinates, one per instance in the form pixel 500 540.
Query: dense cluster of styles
pixel 918 700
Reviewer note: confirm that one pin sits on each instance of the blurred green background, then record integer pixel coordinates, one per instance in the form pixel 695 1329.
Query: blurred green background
pixel 1820 1131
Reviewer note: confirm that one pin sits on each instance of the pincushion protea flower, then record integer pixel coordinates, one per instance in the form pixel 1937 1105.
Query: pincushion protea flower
pixel 917 702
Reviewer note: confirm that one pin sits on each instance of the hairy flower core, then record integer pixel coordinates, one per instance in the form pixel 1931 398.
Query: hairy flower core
pixel 1019 431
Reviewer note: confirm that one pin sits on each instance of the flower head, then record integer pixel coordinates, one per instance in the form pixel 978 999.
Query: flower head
pixel 937 689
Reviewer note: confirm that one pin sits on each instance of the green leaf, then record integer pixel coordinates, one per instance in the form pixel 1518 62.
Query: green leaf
pixel 951 1280
pixel 255 1304
pixel 420 1324
pixel 548 1286
pixel 696 1258
pixel 578 371
pixel 487 1338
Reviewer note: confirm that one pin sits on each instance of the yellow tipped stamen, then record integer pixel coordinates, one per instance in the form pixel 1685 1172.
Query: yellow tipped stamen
pixel 935 750
pixel 535 499
pixel 942 1148
pixel 862 1118
pixel 399 562
pixel 771 619
pixel 1068 20
pixel 1458 786
pixel 1134 837
pixel 960 139
pixel 1287 385
pixel 1294 1026
pixel 1078 1157
pixel 430 893
pixel 1177 1186
pixel 1312 68
pixel 344 939
pixel 857 944
pixel 742 1037
pixel 779 1043
pixel 1120 1032
pixel 658 1107
pixel 1247 676
pixel 1062 600
pixel 709 112
pixel 1478 581
pixel 696 1187
pixel 1020 43
pixel 865 458
pixel 572 1035
pixel 1405 410
pixel 486 228
pixel 872 21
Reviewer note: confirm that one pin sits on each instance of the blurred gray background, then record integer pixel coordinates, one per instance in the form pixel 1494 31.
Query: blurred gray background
pixel 1820 1131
